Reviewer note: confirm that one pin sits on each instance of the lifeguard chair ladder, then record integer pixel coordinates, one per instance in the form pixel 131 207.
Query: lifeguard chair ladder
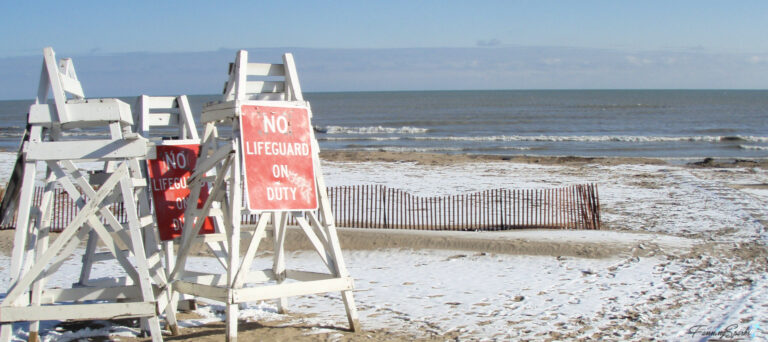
pixel 221 152
pixel 54 143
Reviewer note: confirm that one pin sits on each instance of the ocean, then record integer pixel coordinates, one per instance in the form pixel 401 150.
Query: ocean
pixel 672 124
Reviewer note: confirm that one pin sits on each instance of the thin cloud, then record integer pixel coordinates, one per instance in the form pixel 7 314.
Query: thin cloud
pixel 638 61
pixel 552 61
pixel 758 60
pixel 488 43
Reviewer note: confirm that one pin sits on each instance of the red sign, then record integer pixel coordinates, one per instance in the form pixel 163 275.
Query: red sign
pixel 277 156
pixel 168 176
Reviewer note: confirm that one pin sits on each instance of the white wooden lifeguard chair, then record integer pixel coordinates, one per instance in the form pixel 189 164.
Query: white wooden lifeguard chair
pixel 56 142
pixel 277 100
pixel 168 121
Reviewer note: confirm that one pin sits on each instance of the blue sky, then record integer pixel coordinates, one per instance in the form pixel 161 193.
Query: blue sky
pixel 392 45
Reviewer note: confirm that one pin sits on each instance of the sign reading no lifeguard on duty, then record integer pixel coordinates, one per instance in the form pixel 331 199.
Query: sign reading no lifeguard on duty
pixel 168 176
pixel 277 156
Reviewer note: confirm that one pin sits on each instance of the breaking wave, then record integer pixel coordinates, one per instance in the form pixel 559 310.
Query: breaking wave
pixel 409 149
pixel 430 149
pixel 370 130
pixel 600 138
pixel 753 147
pixel 566 138
pixel 355 138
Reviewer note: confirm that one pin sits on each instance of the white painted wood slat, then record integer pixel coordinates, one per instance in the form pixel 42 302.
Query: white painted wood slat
pixel 81 294
pixel 160 101
pixel 69 78
pixel 265 69
pixel 253 294
pixel 200 290
pixel 72 86
pixel 94 150
pixel 79 311
pixel 163 119
pixel 82 114
pixel 265 87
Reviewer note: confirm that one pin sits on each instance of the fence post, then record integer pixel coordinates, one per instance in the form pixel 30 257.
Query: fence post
pixel 597 200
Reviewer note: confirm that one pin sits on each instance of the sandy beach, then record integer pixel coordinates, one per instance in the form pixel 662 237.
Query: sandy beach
pixel 682 250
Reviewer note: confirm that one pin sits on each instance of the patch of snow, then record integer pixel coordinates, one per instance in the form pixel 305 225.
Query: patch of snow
pixel 491 296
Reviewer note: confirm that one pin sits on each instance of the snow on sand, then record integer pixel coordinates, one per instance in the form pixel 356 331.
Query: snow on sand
pixel 690 262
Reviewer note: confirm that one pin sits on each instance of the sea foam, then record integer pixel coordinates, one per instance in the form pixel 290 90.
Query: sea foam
pixel 567 138
pixel 370 130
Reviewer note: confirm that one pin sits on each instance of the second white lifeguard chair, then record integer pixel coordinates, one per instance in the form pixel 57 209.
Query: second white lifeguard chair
pixel 260 138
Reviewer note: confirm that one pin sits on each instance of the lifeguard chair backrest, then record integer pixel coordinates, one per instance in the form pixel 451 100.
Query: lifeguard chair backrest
pixel 165 111
pixel 62 79
pixel 262 81
pixel 70 106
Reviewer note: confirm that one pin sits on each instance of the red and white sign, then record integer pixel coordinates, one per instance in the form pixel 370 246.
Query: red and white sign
pixel 277 156
pixel 168 176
